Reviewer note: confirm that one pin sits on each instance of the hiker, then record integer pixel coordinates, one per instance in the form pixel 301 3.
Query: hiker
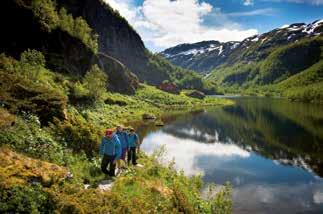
pixel 110 149
pixel 134 142
pixel 123 137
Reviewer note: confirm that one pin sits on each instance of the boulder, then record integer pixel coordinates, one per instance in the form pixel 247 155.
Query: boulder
pixel 147 116
pixel 196 94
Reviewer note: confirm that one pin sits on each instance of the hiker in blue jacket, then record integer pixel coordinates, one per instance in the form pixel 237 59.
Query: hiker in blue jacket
pixel 123 137
pixel 134 142
pixel 110 149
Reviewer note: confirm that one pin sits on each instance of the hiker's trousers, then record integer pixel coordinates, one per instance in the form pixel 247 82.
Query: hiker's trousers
pixel 132 155
pixel 108 160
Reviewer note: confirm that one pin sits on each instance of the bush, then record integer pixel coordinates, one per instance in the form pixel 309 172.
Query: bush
pixel 31 63
pixel 78 28
pixel 28 137
pixel 45 11
pixel 25 199
pixel 32 58
pixel 20 94
pixel 78 135
pixel 96 82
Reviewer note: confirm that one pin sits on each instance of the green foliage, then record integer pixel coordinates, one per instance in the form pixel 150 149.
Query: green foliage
pixel 79 29
pixel 96 82
pixel 78 135
pixel 45 11
pixel 185 79
pixel 293 71
pixel 163 99
pixel 31 63
pixel 72 140
pixel 33 58
pixel 50 18
pixel 20 94
pixel 92 89
pixel 28 137
pixel 25 199
pixel 289 60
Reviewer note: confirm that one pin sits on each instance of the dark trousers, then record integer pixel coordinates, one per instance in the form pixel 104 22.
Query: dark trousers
pixel 132 155
pixel 108 160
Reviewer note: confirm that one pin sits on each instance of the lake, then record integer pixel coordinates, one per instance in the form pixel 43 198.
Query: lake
pixel 270 150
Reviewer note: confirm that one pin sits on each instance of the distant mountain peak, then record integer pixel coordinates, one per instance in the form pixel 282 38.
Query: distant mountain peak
pixel 207 55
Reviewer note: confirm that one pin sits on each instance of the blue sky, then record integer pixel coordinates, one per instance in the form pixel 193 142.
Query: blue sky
pixel 165 23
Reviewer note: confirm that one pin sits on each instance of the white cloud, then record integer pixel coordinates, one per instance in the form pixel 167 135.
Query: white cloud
pixel 258 12
pixel 165 23
pixel 318 197
pixel 248 2
pixel 186 151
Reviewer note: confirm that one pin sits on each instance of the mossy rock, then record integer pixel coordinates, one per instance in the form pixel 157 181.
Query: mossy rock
pixel 111 101
pixel 148 116
pixel 19 169
pixel 196 94
pixel 20 94
pixel 6 119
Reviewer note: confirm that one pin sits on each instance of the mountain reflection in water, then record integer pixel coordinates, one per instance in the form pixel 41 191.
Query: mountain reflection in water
pixel 271 150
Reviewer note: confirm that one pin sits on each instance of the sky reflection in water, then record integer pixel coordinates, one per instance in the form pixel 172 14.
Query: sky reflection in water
pixel 261 184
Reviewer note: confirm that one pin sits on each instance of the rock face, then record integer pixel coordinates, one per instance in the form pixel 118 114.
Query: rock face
pixel 205 56
pixel 117 38
pixel 63 52
pixel 196 94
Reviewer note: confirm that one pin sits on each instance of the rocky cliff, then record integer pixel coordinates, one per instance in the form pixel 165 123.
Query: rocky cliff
pixel 64 52
pixel 117 38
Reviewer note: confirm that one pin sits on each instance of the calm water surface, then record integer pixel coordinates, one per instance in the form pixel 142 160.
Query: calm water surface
pixel 270 150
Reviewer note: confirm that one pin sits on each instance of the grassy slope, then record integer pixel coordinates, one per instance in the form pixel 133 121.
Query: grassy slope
pixel 73 143
pixel 276 76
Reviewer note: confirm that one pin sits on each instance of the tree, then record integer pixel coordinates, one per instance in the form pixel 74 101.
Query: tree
pixel 31 63
pixel 96 82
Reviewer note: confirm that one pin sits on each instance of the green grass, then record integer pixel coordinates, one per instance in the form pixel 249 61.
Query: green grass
pixel 71 142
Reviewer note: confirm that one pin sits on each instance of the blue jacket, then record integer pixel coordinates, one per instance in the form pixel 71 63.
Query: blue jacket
pixel 111 147
pixel 123 137
pixel 132 140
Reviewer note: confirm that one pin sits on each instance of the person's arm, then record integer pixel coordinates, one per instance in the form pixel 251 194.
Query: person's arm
pixel 101 152
pixel 118 149
pixel 127 139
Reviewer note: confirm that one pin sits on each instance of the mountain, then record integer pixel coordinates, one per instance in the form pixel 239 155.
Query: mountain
pixel 75 35
pixel 67 42
pixel 205 56
pixel 202 56
pixel 286 62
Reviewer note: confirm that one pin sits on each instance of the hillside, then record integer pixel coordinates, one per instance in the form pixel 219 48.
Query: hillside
pixel 258 63
pixel 202 56
pixel 59 93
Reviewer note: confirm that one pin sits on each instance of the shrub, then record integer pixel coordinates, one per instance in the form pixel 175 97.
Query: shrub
pixel 78 135
pixel 78 28
pixel 31 63
pixel 96 81
pixel 6 119
pixel 28 137
pixel 45 11
pixel 20 94
pixel 32 58
pixel 25 199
